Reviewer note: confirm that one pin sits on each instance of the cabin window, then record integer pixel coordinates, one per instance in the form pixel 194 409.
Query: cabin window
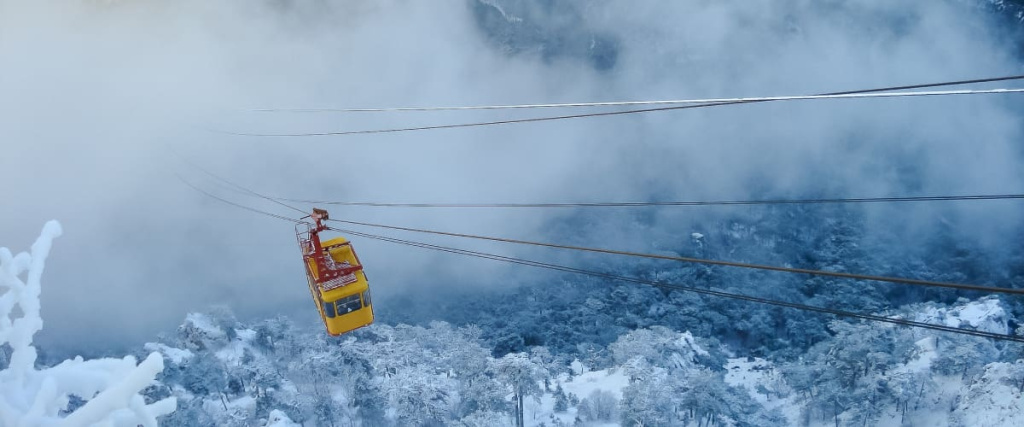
pixel 366 299
pixel 329 309
pixel 348 304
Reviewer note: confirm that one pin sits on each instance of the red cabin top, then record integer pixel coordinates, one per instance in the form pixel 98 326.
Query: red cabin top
pixel 329 274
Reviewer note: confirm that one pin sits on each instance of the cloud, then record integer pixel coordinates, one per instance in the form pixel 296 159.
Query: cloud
pixel 100 95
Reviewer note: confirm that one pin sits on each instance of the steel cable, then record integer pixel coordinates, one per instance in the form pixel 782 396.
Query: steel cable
pixel 898 280
pixel 670 203
pixel 614 113
pixel 663 285
pixel 744 100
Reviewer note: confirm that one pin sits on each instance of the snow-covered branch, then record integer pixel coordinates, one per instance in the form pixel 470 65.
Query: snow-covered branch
pixel 31 397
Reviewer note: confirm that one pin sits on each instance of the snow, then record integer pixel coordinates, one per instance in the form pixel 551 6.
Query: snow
pixel 986 314
pixel 175 355
pixel 541 411
pixel 611 380
pixel 686 341
pixel 203 323
pixel 993 398
pixel 279 419
pixel 923 361
pixel 748 373
pixel 233 352
pixel 406 366
pixel 991 401
pixel 246 335
pixel 240 405
pixel 30 397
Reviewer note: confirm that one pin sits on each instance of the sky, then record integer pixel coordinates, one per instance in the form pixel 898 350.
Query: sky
pixel 108 105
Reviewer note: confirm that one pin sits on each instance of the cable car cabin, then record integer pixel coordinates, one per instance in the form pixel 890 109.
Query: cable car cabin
pixel 336 279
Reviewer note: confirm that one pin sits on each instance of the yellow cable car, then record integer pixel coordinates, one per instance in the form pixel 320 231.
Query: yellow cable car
pixel 335 276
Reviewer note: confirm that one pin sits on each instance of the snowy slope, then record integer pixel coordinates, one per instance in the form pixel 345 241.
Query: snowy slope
pixel 995 399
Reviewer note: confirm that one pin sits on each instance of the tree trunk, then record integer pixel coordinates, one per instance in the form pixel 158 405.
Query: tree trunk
pixel 522 418
pixel 920 393
pixel 519 408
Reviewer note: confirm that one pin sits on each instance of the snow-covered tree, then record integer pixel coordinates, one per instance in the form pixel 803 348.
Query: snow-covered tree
pixel 523 376
pixel 962 355
pixel 109 387
pixel 659 346
pixel 561 399
pixel 600 405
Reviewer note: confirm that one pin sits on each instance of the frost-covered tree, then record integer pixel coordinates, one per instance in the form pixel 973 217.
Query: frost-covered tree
pixel 652 397
pixel 908 389
pixel 660 346
pixel 675 381
pixel 561 399
pixel 482 393
pixel 110 388
pixel 523 376
pixel 849 372
pixel 600 405
pixel 420 399
pixel 962 355
pixel 453 361
pixel 202 374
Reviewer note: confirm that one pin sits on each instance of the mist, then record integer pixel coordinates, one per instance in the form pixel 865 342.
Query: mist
pixel 105 104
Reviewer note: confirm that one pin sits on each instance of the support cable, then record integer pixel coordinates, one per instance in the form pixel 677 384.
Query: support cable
pixel 840 313
pixel 898 280
pixel 741 100
pixel 663 285
pixel 671 203
pixel 237 205
pixel 611 113
pixel 235 186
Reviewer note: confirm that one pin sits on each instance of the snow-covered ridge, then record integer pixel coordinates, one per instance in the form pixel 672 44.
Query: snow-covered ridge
pixel 30 397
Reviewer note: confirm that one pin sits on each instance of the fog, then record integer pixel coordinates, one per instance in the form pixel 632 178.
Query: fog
pixel 104 104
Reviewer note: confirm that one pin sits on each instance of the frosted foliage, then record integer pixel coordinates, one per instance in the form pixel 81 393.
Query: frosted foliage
pixel 659 346
pixel 30 397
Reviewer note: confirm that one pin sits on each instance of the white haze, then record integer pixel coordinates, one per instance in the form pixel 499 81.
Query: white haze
pixel 95 97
